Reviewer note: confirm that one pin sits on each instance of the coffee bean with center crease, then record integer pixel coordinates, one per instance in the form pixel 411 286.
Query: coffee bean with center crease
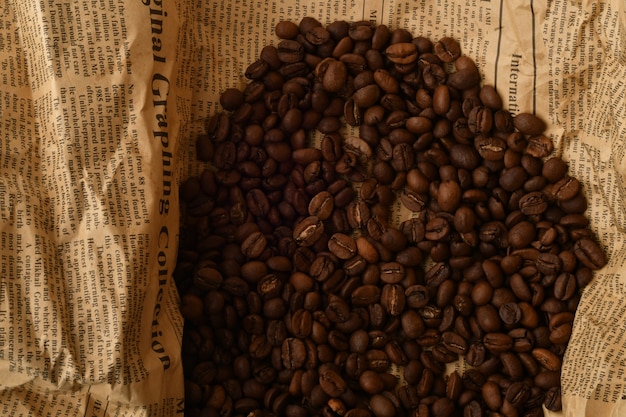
pixel 553 399
pixel 308 231
pixel 447 49
pixel 254 245
pixel 589 253
pixel 393 299
pixel 293 353
pixel 332 382
pixel 342 245
pixel 322 205
pixel 402 53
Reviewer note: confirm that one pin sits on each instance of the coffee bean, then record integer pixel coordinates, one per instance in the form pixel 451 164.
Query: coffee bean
pixel 332 383
pixel 553 399
pixel 510 313
pixel 539 146
pixel 286 29
pixel 254 245
pixel 343 246
pixel 382 406
pixel 533 203
pixel 589 253
pixel 393 299
pixel 447 49
pixel 498 342
pixel 490 148
pixel 517 394
pixel 454 343
pixel 490 97
pixel 547 359
pixel 529 124
pixel 566 188
pixel 308 231
pixel 488 318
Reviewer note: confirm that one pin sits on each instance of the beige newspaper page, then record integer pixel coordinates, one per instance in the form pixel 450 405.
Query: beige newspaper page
pixel 564 61
pixel 89 320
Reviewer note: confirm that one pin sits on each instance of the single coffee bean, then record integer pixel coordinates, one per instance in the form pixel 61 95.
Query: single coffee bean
pixel 529 124
pixel 539 146
pixel 533 203
pixel 566 188
pixel 510 313
pixel 454 343
pixel 547 359
pixel 490 97
pixel 402 53
pixel 476 354
pixel 365 295
pixel 517 394
pixel 332 383
pixel 343 246
pixel 308 231
pixel 286 29
pixel 488 318
pixel 589 253
pixel 449 196
pixel 322 205
pixel 447 49
pixel 498 342
pixel 393 299
pixel 254 245
pixel 489 148
pixel 523 339
pixel 293 353
pixel 553 399
pixel 392 272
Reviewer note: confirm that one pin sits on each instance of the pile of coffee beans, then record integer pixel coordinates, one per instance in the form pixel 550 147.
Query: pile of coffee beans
pixel 376 236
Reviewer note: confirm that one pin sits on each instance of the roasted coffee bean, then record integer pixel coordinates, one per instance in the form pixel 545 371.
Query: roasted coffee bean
pixel 533 203
pixel 447 49
pixel 539 146
pixel 498 342
pixel 254 245
pixel 566 188
pixel 393 299
pixel 510 313
pixel 343 246
pixel 293 353
pixel 554 169
pixel 392 272
pixel 449 196
pixel 454 343
pixel 589 253
pixel 489 148
pixel 517 394
pixel 365 295
pixel 547 359
pixel 553 399
pixel 402 53
pixel 529 124
pixel 490 97
pixel 322 205
pixel 332 383
pixel 492 395
pixel 308 231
